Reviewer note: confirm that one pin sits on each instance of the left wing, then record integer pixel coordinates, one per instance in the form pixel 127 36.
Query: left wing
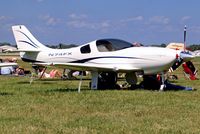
pixel 92 67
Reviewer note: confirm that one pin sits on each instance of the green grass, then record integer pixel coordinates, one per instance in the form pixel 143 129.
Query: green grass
pixel 55 106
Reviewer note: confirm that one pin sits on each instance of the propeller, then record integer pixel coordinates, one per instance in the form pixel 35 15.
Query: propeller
pixel 185 31
pixel 185 55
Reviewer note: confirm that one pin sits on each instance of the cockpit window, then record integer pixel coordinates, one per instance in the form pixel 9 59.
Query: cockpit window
pixel 86 49
pixel 107 45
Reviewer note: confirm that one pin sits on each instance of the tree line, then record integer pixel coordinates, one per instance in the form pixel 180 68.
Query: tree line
pixel 191 47
pixel 59 46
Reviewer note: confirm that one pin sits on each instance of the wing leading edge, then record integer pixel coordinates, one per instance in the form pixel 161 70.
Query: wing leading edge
pixel 92 67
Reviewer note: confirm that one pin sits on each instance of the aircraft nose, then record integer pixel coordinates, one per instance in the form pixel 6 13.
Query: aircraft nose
pixel 186 56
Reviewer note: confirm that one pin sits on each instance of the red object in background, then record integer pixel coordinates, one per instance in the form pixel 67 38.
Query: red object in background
pixel 189 70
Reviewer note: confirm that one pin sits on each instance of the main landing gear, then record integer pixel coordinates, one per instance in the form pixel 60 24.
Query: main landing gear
pixel 104 80
pixel 108 80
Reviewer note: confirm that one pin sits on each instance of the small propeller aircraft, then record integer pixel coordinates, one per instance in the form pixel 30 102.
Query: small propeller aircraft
pixel 107 56
pixel 189 70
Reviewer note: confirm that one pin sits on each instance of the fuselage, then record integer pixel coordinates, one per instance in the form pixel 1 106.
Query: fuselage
pixel 150 60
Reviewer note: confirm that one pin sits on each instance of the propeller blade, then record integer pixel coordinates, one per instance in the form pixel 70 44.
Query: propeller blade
pixel 185 37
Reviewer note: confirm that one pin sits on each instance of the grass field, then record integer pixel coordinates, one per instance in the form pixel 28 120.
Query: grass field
pixel 55 106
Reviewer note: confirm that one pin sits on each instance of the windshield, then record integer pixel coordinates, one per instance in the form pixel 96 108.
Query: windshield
pixel 106 45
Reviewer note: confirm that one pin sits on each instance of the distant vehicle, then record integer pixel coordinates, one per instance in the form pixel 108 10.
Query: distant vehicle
pixel 104 58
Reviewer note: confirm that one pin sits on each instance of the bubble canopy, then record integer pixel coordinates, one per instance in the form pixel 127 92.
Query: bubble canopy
pixel 105 45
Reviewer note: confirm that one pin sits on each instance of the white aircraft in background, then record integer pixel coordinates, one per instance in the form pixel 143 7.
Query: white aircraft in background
pixel 5 64
pixel 104 55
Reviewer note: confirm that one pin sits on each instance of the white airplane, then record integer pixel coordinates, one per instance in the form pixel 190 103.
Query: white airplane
pixel 5 64
pixel 104 55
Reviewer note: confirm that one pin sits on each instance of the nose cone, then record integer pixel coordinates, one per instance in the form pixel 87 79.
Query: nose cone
pixel 186 56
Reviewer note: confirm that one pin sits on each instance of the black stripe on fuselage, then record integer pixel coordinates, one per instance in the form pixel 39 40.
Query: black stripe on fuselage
pixel 107 57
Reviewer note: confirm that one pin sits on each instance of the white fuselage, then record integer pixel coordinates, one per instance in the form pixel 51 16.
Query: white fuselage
pixel 150 60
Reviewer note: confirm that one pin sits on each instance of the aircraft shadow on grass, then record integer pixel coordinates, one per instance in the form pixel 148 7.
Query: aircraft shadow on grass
pixel 61 90
pixel 27 82
pixel 5 94
pixel 43 81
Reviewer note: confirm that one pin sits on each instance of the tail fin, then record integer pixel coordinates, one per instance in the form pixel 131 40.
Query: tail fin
pixel 26 41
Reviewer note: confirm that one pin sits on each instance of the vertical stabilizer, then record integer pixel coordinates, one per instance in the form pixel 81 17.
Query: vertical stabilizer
pixel 25 40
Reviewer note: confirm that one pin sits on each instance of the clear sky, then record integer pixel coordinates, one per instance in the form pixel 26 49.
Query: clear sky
pixel 81 21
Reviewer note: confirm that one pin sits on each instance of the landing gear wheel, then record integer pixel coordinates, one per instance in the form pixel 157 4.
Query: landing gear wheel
pixel 131 78
pixel 107 80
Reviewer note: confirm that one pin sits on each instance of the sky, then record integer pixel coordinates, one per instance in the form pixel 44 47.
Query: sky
pixel 82 21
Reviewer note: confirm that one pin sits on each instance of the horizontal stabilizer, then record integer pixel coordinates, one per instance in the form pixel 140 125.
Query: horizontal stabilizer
pixel 21 50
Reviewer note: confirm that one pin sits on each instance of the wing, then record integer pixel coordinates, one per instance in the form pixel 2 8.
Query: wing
pixel 92 67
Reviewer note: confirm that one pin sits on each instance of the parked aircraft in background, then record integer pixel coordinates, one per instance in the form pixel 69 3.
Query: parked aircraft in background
pixel 5 64
pixel 176 46
pixel 104 56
